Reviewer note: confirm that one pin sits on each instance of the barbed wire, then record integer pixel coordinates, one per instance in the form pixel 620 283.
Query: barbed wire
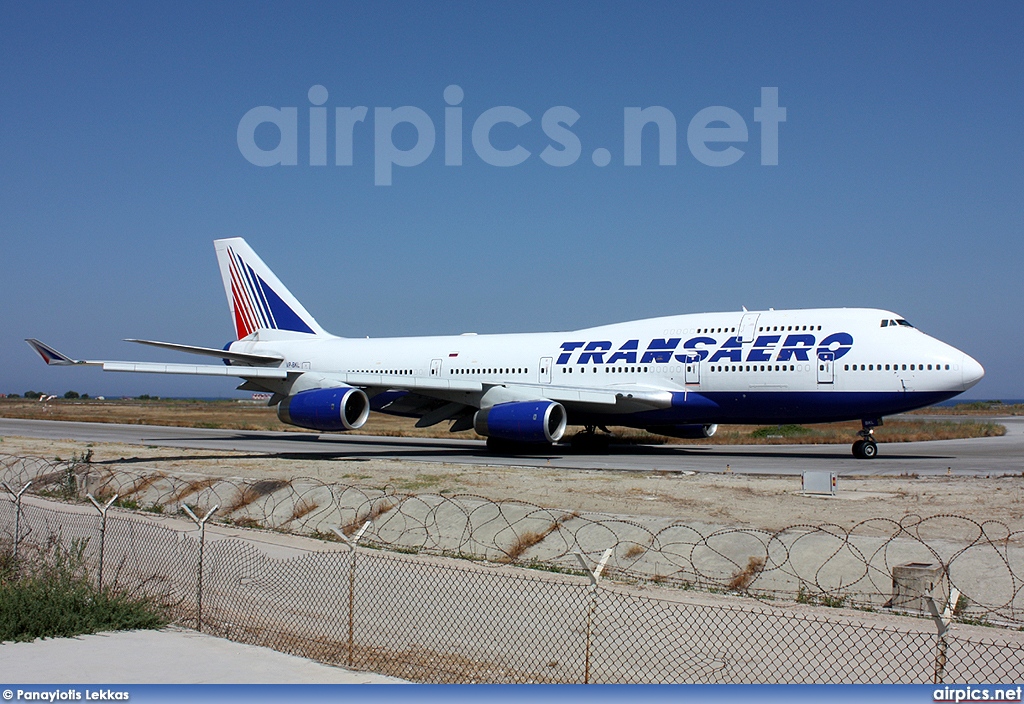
pixel 825 563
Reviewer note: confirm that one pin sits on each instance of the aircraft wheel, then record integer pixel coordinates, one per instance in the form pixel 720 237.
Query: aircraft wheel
pixel 865 450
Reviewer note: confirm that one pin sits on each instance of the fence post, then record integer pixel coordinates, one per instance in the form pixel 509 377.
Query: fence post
pixel 16 495
pixel 351 542
pixel 103 529
pixel 595 579
pixel 942 623
pixel 201 522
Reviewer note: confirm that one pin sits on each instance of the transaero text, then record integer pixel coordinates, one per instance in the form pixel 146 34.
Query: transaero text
pixel 765 348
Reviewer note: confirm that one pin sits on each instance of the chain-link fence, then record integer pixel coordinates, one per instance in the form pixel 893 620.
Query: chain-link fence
pixel 827 564
pixel 437 619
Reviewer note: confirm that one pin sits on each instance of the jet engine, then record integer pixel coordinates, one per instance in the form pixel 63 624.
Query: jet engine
pixel 688 432
pixel 340 408
pixel 522 421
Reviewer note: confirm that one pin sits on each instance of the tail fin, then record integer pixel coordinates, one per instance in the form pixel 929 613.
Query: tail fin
pixel 257 298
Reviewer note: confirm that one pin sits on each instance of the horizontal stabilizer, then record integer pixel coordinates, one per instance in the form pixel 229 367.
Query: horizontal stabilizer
pixel 242 357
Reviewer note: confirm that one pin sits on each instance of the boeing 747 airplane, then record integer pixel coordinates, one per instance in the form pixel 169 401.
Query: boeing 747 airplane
pixel 678 376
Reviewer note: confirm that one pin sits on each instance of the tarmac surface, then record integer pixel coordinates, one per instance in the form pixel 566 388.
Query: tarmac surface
pixel 981 456
pixel 169 656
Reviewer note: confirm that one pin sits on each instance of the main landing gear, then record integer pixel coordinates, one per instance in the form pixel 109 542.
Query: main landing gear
pixel 589 440
pixel 866 448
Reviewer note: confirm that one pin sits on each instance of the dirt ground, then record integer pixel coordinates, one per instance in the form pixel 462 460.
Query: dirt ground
pixel 767 503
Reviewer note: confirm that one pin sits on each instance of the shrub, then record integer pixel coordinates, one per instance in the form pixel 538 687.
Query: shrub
pixel 50 595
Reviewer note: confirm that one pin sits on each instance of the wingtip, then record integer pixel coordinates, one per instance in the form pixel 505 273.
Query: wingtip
pixel 49 355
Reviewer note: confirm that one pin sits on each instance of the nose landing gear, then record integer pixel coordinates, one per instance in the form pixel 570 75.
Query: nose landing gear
pixel 866 448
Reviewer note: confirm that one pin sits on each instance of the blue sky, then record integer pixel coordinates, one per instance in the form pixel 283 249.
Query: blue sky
pixel 901 169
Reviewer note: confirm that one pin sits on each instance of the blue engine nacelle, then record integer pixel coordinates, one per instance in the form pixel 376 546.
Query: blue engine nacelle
pixel 688 432
pixel 522 421
pixel 341 408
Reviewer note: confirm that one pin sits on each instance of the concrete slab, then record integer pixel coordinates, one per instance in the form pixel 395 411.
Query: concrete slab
pixel 169 656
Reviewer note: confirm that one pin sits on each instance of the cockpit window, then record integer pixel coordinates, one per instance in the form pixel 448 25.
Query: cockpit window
pixel 885 323
pixel 903 323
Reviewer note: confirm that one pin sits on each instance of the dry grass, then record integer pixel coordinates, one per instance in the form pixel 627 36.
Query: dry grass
pixel 303 508
pixel 830 433
pixel 142 484
pixel 252 493
pixel 377 509
pixel 742 579
pixel 249 416
pixel 525 541
pixel 634 550
pixel 191 488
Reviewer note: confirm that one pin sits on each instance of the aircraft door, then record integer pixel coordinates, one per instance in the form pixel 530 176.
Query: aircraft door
pixel 692 370
pixel 826 367
pixel 748 326
pixel 435 367
pixel 545 370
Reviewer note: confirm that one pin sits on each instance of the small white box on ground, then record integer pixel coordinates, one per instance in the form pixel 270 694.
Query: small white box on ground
pixel 819 482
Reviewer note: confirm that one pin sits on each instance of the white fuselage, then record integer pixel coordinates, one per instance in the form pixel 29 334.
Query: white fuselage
pixel 769 366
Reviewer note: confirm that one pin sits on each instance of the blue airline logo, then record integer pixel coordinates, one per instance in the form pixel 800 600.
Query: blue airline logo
pixel 766 348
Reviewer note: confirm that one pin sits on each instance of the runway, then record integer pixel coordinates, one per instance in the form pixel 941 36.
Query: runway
pixel 982 456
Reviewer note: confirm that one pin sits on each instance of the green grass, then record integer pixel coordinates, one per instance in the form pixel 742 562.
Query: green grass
pixel 53 597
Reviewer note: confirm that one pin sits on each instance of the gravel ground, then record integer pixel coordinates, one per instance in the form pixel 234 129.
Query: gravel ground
pixel 756 501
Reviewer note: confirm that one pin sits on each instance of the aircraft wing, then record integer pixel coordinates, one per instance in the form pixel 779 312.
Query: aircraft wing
pixel 573 396
pixel 243 357
pixel 55 358
pixel 632 397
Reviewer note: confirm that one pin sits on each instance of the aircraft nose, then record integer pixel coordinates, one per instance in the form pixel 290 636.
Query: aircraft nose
pixel 972 371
